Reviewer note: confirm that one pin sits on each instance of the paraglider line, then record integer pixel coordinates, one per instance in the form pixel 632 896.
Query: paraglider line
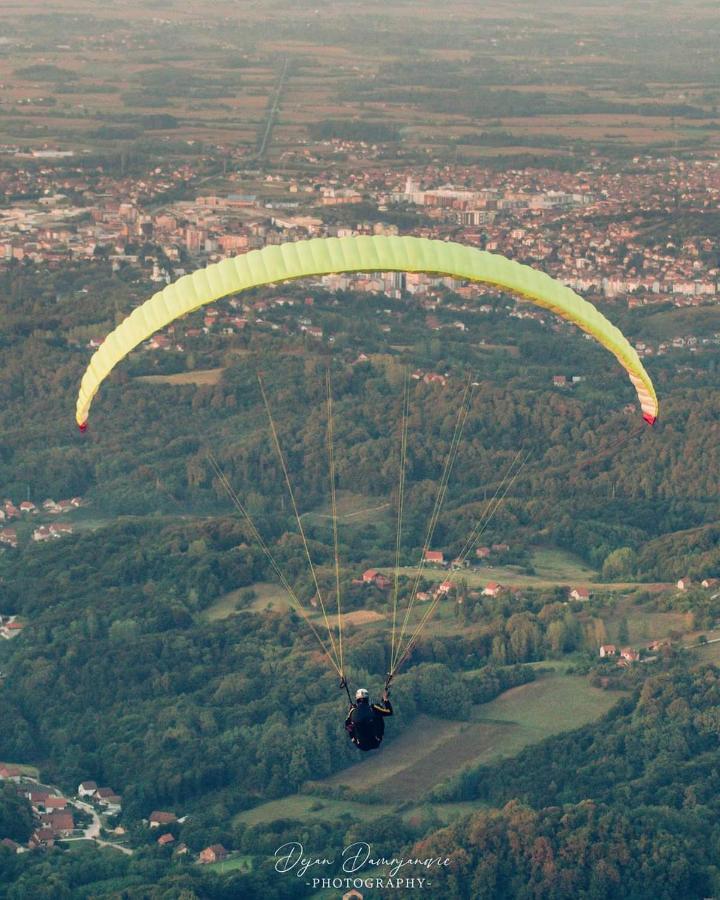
pixel 492 507
pixel 463 412
pixel 266 550
pixel 333 510
pixel 401 505
pixel 288 483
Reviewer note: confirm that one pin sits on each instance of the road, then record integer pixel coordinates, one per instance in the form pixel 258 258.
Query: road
pixel 273 110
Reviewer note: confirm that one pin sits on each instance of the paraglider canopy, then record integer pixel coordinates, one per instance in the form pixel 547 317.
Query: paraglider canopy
pixel 324 256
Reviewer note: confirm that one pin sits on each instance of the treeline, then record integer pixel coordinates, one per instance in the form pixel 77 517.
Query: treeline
pixel 623 807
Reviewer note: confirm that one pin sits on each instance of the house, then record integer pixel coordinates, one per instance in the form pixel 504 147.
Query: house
pixel 212 854
pixel 492 589
pixel 710 582
pixel 27 507
pixel 423 596
pixel 579 594
pixel 629 654
pixel 482 552
pixel 37 799
pixel 165 839
pixel 559 380
pixel 60 823
pixel 59 529
pixel 684 584
pixel 445 588
pixel 658 645
pixel 42 837
pixel 460 563
pixel 436 557
pixel 159 818
pixel 42 534
pixel 607 650
pixel 86 789
pixel 181 849
pixel 10 773
pixel 11 629
pixel 106 796
pixel 55 803
pixel 8 536
pixel 369 576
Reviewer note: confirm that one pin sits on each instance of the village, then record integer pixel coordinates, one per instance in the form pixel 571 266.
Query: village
pixel 26 510
pixel 90 814
pixel 448 589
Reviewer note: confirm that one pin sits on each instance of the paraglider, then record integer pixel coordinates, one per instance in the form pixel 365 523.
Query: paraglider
pixel 323 256
pixel 365 723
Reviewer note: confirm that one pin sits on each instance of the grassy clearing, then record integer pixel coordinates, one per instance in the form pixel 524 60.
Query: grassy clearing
pixel 708 653
pixel 649 626
pixel 31 771
pixel 228 865
pixel 410 767
pixel 268 594
pixel 201 376
pixel 552 704
pixel 436 749
pixel 645 625
pixel 304 806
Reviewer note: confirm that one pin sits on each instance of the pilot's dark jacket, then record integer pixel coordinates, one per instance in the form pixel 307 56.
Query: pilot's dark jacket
pixel 365 723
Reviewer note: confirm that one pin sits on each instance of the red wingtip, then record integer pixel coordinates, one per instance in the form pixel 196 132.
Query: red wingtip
pixel 83 426
pixel 650 419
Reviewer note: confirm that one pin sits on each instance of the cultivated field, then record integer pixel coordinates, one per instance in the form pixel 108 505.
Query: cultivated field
pixel 268 595
pixel 82 75
pixel 435 749
pixel 200 376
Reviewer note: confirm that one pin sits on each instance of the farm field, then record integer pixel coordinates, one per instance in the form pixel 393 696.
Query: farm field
pixel 306 806
pixel 268 594
pixel 200 376
pixel 163 76
pixel 552 567
pixel 409 768
pixel 242 861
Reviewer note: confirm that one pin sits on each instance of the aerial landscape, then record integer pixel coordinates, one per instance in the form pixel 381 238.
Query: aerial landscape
pixel 359 450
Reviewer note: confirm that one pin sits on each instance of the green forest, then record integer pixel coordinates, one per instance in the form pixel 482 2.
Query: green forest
pixel 126 675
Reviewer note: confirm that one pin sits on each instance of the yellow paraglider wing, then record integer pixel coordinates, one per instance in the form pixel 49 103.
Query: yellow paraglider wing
pixel 325 256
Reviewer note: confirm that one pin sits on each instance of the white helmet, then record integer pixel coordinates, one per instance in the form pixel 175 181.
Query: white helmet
pixel 361 694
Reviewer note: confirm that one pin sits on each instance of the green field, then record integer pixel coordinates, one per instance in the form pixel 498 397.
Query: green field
pixel 268 594
pixel 31 771
pixel 552 567
pixel 227 865
pixel 409 767
pixel 435 749
pixel 306 806
pixel 708 653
